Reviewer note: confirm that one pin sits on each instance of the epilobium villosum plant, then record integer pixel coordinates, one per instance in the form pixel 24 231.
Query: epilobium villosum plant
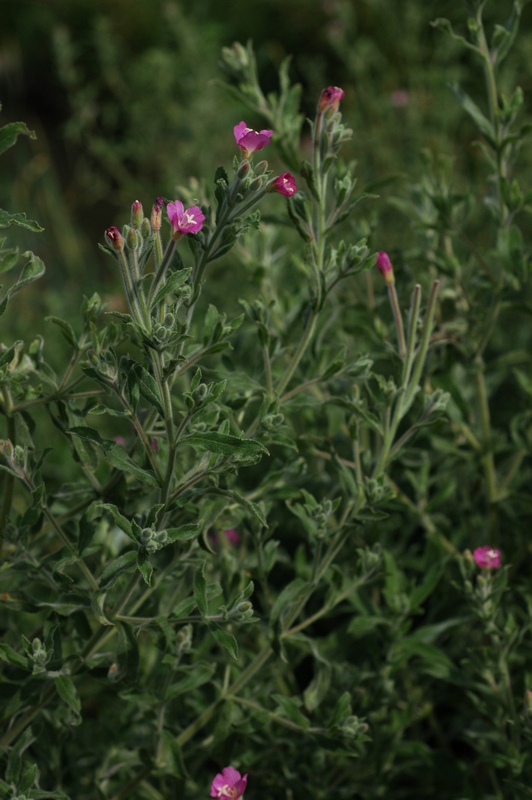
pixel 232 545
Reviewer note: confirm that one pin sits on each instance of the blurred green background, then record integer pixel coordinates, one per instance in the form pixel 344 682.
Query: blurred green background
pixel 124 100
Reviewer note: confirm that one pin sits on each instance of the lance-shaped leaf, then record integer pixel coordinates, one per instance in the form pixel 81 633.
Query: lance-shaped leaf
pixel 31 271
pixel 127 653
pixel 469 106
pixel 114 453
pixel 68 693
pixel 10 133
pixel 123 563
pixel 223 444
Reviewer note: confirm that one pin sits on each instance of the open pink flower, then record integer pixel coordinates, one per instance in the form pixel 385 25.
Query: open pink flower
pixel 184 221
pixel 284 184
pixel 330 98
pixel 249 140
pixel 487 557
pixel 229 784
pixel 384 265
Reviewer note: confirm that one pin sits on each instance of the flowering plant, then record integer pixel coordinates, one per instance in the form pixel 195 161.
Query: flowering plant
pixel 235 522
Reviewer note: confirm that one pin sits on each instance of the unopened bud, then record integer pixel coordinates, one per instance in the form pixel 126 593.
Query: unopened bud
pixel 145 228
pixel 156 214
pixel 137 214
pixel 330 98
pixel 384 265
pixel 243 169
pixel 132 238
pixel 114 238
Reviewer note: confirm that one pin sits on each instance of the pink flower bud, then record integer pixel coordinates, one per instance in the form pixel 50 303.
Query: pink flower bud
pixel 114 238
pixel 120 440
pixel 384 265
pixel 232 536
pixel 137 214
pixel 229 784
pixel 487 557
pixel 156 214
pixel 284 184
pixel 184 221
pixel 330 98
pixel 249 140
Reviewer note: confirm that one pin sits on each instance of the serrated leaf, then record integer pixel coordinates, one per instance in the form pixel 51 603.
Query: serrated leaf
pixel 173 283
pixel 226 640
pixel 184 533
pixel 119 519
pixel 144 567
pixel 66 329
pixel 290 709
pixel 200 674
pixel 224 444
pixel 200 590
pixel 114 453
pixel 20 219
pixel 127 653
pixel 123 563
pixel 9 134
pixel 12 657
pixel 68 693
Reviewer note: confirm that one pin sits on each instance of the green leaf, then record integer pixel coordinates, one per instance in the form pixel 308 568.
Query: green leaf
pixel 20 219
pixel 14 762
pixel 224 444
pixel 66 329
pixel 144 567
pixel 148 388
pixel 31 271
pixel 200 590
pixel 8 260
pixel 471 108
pixel 226 640
pixel 10 133
pixel 290 709
pixel 12 657
pixel 173 283
pixel 123 563
pixel 114 453
pixel 127 653
pixel 28 780
pixel 68 693
pixel 200 674
pixel 289 597
pixel 87 529
pixel 123 523
pixel 184 533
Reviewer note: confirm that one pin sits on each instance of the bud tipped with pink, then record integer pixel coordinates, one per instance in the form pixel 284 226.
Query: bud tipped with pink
pixel 183 220
pixel 156 214
pixel 114 238
pixel 330 99
pixel 249 140
pixel 137 214
pixel 284 184
pixel 384 265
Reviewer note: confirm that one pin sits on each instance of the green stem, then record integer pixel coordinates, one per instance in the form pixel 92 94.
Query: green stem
pixel 296 358
pixel 485 424
pixel 9 479
pixel 398 319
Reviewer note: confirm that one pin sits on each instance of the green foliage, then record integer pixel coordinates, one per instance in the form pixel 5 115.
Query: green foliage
pixel 247 539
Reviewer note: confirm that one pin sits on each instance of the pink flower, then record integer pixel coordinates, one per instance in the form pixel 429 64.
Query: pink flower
pixel 487 558
pixel 284 184
pixel 229 784
pixel 189 221
pixel 330 98
pixel 384 265
pixel 232 536
pixel 400 98
pixel 249 140
pixel 120 440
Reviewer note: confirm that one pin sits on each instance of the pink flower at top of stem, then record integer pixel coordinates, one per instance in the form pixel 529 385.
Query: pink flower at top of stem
pixel 384 265
pixel 487 557
pixel 229 784
pixel 284 184
pixel 249 140
pixel 183 220
pixel 232 536
pixel 330 98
